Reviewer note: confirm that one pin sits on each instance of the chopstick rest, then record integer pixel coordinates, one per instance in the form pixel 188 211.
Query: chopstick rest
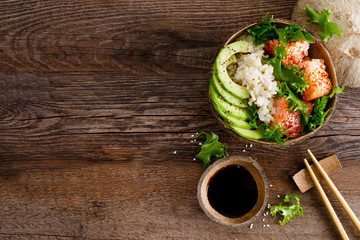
pixel 336 192
pixel 303 180
pixel 326 202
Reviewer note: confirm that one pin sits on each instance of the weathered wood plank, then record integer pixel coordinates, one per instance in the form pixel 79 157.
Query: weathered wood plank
pixel 102 200
pixel 95 98
pixel 134 37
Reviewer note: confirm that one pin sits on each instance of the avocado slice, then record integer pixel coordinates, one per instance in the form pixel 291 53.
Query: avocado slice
pixel 223 60
pixel 226 95
pixel 231 120
pixel 236 112
pixel 247 133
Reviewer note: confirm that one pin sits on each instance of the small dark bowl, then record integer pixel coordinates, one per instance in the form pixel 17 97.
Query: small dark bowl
pixel 261 183
pixel 317 50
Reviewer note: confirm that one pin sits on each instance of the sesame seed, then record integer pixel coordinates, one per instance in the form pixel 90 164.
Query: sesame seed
pixel 264 225
pixel 263 219
pixel 194 140
pixel 200 144
pixel 194 159
pixel 278 195
pixel 192 135
pixel 244 150
pixel 270 185
pixel 264 214
pixel 268 225
pixel 191 140
pixel 246 145
pixel 267 213
pixel 250 145
pixel 251 225
pixel 268 206
pixel 175 152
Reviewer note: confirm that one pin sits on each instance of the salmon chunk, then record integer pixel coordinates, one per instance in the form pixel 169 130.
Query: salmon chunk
pixel 296 51
pixel 269 47
pixel 287 119
pixel 317 77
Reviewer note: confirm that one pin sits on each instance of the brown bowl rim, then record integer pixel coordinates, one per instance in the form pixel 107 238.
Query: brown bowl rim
pixel 331 105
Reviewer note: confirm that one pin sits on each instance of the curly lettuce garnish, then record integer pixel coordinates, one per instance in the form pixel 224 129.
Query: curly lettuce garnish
pixel 294 102
pixel 288 212
pixel 211 147
pixel 293 33
pixel 327 27
pixel 263 32
pixel 266 31
pixel 318 116
pixel 293 76
pixel 269 133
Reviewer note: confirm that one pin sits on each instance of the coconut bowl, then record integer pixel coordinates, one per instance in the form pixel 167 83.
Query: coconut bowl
pixel 259 177
pixel 317 50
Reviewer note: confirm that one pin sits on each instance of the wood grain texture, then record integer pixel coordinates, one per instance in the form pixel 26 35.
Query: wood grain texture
pixel 95 98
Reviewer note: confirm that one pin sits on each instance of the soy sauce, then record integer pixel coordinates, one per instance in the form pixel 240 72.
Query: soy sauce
pixel 232 192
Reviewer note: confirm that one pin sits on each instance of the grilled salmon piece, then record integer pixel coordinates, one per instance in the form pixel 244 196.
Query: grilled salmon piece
pixel 296 51
pixel 317 77
pixel 287 119
pixel 310 107
pixel 269 47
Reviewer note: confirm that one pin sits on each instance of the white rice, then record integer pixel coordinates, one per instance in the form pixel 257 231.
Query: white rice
pixel 257 77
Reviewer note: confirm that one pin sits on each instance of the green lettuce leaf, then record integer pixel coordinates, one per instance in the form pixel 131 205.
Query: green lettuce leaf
pixel 211 147
pixel 274 133
pixel 318 115
pixel 293 33
pixel 263 32
pixel 280 54
pixel 295 103
pixel 293 76
pixel 327 27
pixel 288 212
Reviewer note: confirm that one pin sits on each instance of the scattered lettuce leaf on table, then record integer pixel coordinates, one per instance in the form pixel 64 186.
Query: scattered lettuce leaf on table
pixel 327 27
pixel 211 147
pixel 289 211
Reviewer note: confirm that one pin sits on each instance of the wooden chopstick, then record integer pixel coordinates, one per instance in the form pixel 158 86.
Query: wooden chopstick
pixel 336 192
pixel 326 202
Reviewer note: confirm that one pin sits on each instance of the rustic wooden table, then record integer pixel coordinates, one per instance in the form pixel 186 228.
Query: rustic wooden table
pixel 95 98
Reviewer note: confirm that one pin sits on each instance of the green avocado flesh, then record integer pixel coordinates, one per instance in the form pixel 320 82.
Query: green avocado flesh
pixel 236 112
pixel 223 60
pixel 247 133
pixel 229 119
pixel 226 95
pixel 229 98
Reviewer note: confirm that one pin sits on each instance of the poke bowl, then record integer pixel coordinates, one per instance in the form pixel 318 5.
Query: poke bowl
pixel 274 92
